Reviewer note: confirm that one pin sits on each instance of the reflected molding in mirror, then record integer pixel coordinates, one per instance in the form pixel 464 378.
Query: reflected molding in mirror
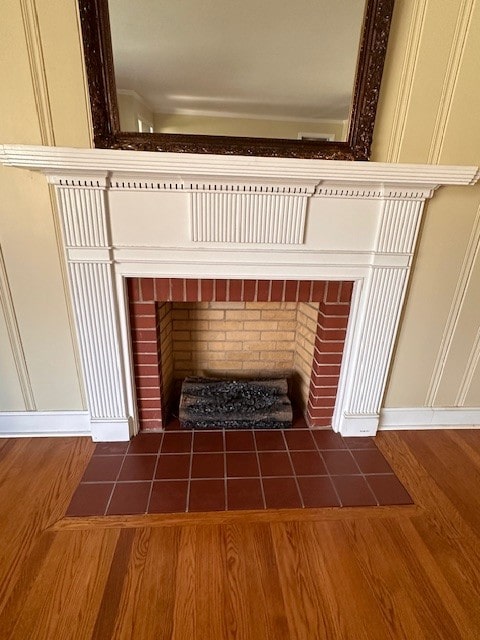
pixel 94 16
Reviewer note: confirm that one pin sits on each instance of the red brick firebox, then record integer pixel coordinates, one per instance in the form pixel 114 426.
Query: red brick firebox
pixel 334 306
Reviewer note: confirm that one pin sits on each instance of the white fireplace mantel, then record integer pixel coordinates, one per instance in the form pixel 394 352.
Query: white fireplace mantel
pixel 134 214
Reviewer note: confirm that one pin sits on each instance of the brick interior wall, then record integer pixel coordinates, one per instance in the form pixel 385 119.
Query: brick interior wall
pixel 306 329
pixel 165 340
pixel 236 338
pixel 155 317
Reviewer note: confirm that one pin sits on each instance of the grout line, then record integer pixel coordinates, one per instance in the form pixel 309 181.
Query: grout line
pixel 259 469
pixel 329 475
pixel 189 479
pixel 372 491
pixel 250 477
pixel 225 484
pixel 154 473
pixel 294 471
pixel 116 480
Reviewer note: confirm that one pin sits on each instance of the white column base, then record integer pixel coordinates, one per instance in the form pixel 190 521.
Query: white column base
pixel 111 430
pixel 357 425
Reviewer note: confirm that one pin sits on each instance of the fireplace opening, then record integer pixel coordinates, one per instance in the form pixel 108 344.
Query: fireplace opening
pixel 237 329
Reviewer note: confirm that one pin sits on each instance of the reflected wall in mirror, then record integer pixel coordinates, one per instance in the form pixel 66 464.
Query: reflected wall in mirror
pixel 268 78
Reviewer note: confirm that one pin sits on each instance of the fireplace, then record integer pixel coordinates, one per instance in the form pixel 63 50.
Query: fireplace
pixel 239 328
pixel 129 214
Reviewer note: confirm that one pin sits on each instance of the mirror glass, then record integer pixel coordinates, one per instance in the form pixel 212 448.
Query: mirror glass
pixel 256 68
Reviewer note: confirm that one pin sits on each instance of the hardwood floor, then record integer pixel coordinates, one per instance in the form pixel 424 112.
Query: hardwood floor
pixel 360 573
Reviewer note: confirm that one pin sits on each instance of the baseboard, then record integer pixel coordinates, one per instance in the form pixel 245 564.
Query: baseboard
pixel 430 418
pixel 18 424
pixel 26 424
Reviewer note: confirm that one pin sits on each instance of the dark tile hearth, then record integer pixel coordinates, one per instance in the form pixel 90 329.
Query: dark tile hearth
pixel 198 471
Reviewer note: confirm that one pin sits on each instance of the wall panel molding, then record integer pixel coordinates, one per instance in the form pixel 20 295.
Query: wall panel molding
pixel 405 87
pixel 472 363
pixel 37 70
pixel 450 81
pixel 6 302
pixel 34 45
pixel 471 255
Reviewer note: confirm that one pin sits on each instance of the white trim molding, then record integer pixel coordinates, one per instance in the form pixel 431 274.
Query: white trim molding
pixel 129 214
pixel 62 161
pixel 430 418
pixel 26 424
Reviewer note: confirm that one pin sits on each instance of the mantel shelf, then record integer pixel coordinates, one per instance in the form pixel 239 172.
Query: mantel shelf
pixel 106 162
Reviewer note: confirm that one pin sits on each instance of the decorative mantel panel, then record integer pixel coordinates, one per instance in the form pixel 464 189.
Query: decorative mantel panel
pixel 139 214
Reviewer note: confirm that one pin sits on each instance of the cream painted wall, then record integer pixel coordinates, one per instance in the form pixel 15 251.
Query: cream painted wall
pixel 428 112
pixel 42 101
pixel 208 125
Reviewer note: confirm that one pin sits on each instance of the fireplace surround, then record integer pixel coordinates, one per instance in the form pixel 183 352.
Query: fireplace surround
pixel 130 214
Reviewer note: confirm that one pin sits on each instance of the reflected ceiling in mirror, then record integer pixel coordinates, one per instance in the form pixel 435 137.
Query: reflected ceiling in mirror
pixel 273 69
pixel 266 78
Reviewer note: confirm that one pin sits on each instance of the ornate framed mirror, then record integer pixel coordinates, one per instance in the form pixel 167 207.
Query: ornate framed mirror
pixel 193 76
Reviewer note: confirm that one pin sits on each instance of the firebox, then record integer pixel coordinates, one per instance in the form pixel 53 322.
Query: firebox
pixel 238 328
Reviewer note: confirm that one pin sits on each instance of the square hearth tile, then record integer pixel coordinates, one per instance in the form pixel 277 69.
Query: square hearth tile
pixel 110 448
pixel 207 495
pixel 389 490
pixel 318 492
pixel 244 493
pixel 328 439
pixel 371 461
pixel 90 499
pixel 354 491
pixel 146 443
pixel 208 465
pixel 173 466
pixel 340 462
pixel 269 440
pixel 102 469
pixel 281 493
pixel 169 496
pixel 129 498
pixel 208 441
pixel 308 463
pixel 177 442
pixel 355 442
pixel 138 467
pixel 299 439
pixel 275 463
pixel 242 465
pixel 239 441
